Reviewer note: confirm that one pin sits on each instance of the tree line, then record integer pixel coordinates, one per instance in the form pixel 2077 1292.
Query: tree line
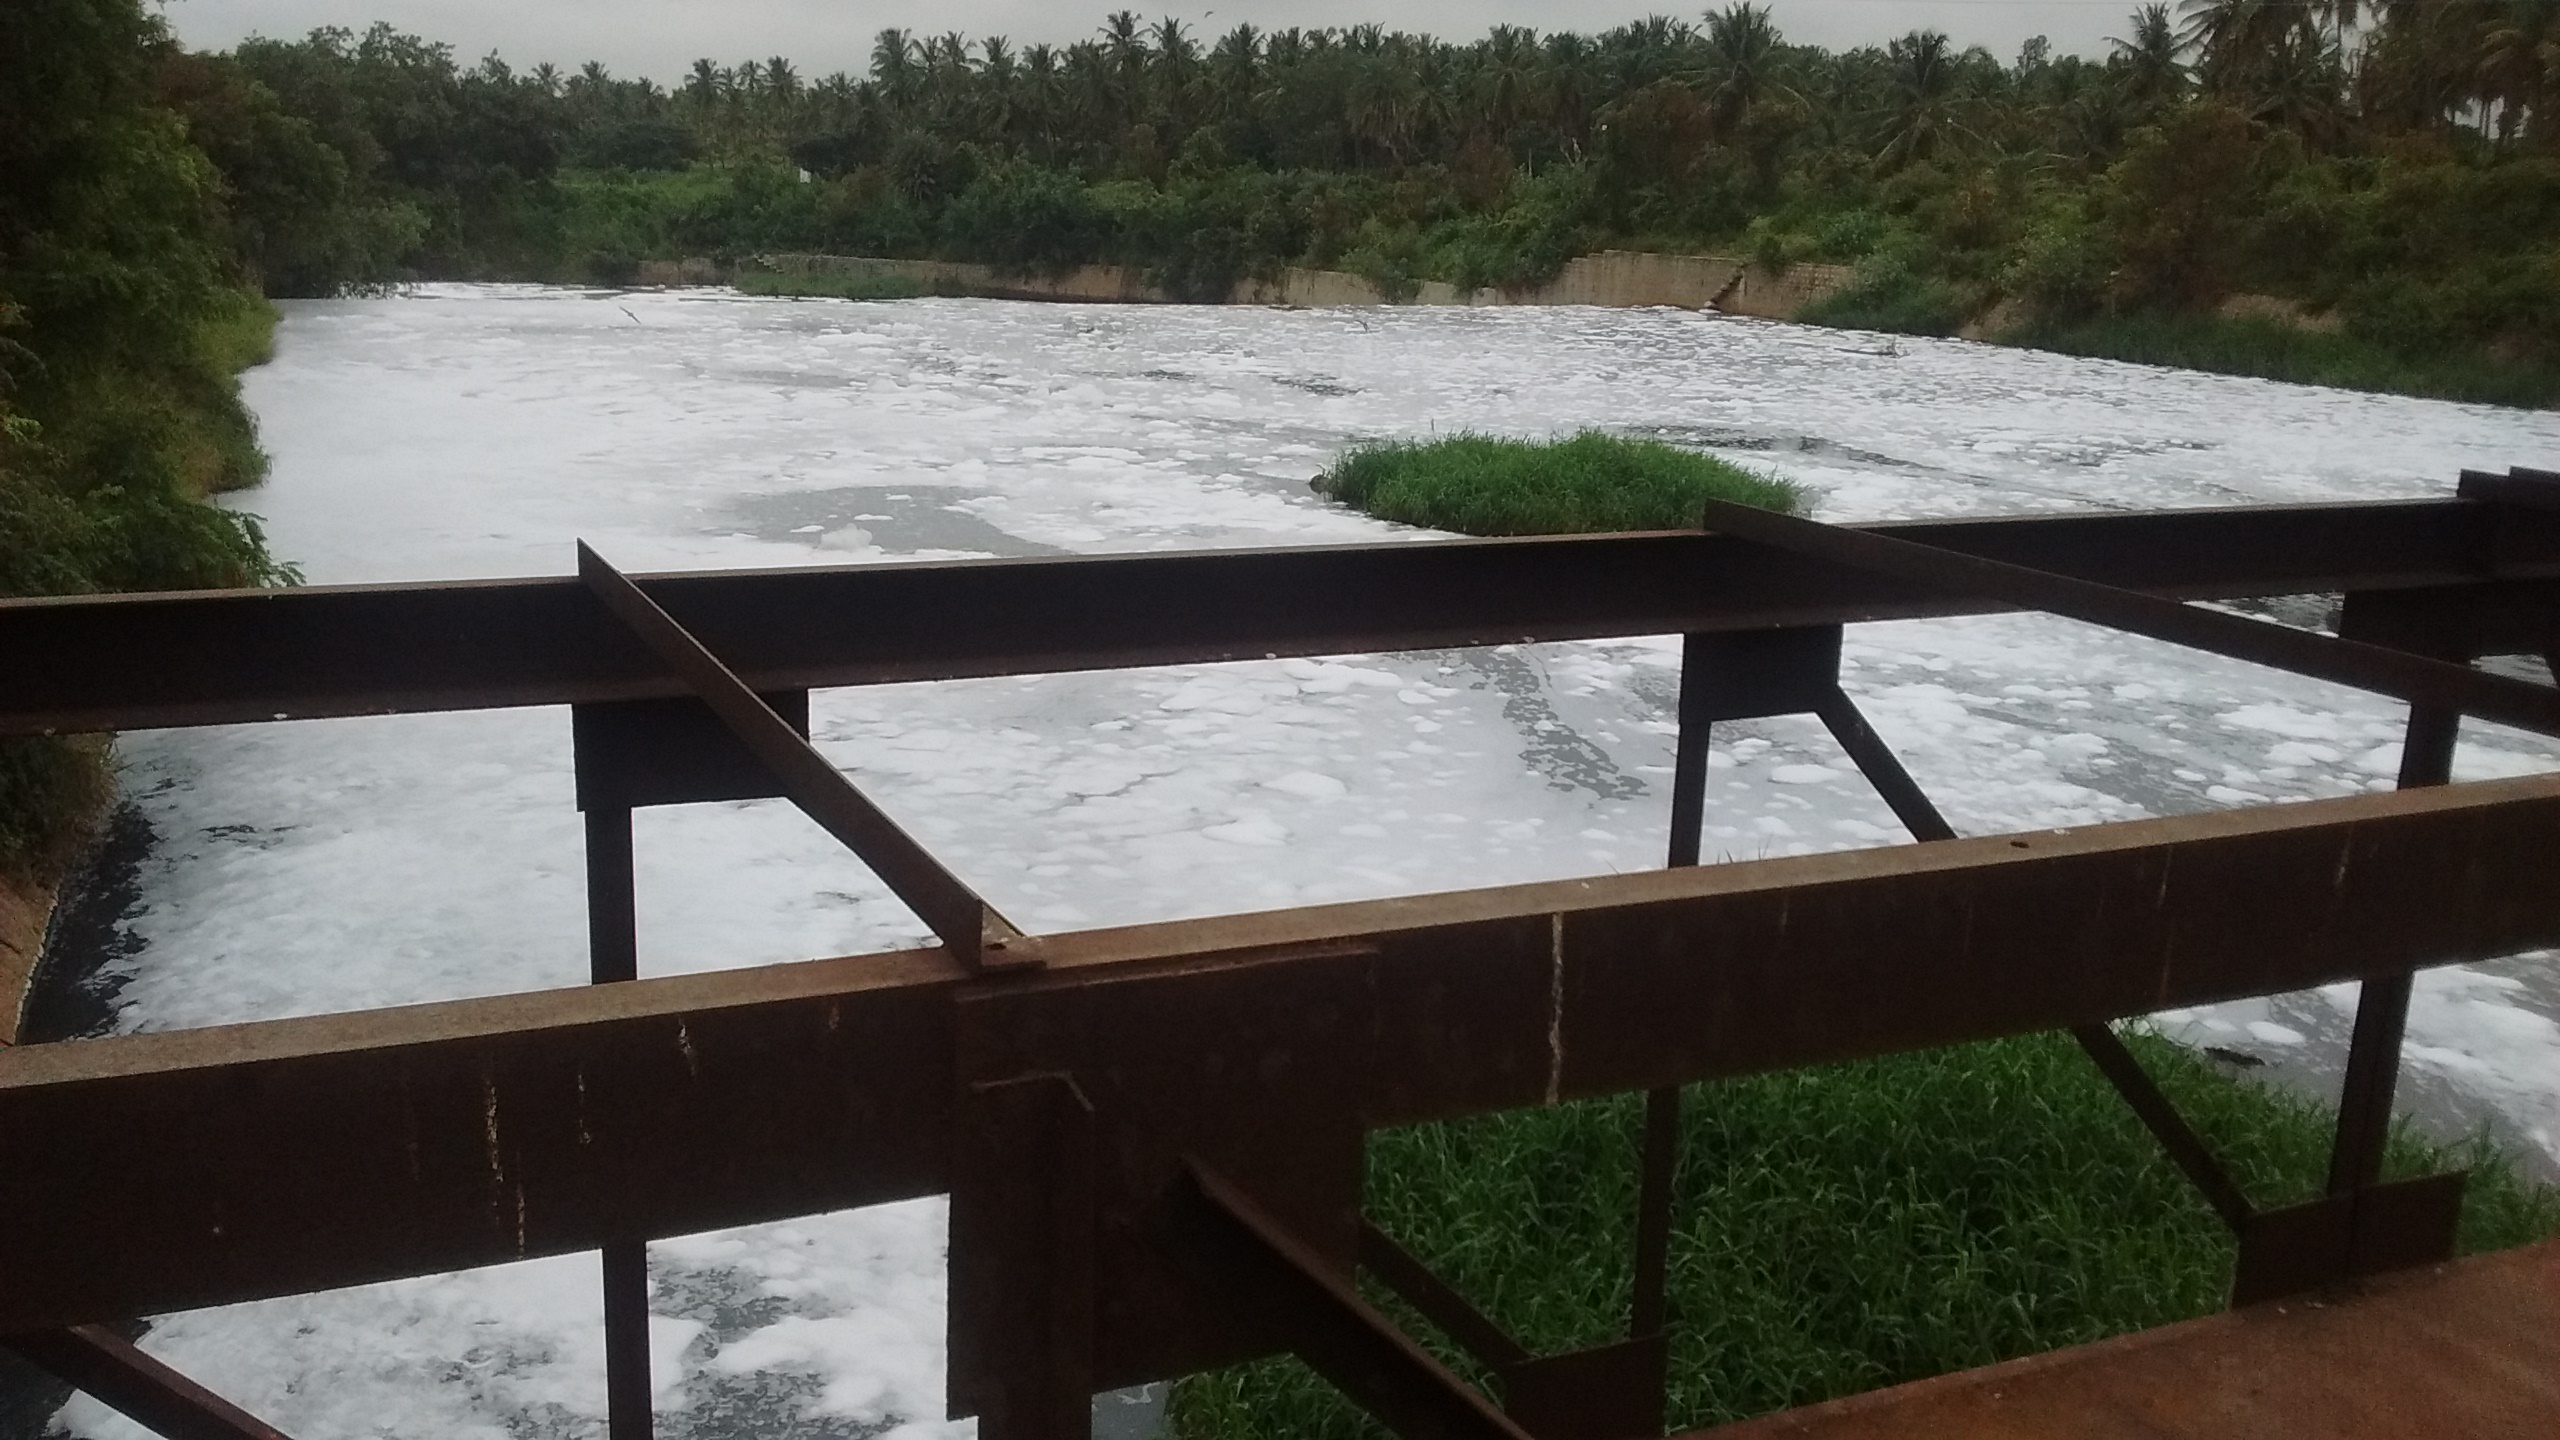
pixel 125 309
pixel 2391 164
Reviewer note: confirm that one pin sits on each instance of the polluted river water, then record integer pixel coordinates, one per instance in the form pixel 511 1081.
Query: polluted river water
pixel 476 431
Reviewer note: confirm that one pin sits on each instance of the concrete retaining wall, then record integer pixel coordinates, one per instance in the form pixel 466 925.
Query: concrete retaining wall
pixel 1609 278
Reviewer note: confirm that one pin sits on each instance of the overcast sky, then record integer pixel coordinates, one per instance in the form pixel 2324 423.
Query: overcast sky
pixel 661 38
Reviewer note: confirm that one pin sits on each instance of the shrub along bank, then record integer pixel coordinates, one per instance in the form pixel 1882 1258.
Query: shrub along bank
pixel 125 311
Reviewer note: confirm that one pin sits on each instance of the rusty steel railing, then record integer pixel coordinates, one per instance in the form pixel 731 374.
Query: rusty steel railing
pixel 1152 1135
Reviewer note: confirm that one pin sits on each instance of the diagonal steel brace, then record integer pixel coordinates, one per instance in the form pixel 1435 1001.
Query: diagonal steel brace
pixel 954 912
pixel 116 1371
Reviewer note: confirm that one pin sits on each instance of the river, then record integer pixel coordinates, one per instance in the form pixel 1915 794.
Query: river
pixel 476 431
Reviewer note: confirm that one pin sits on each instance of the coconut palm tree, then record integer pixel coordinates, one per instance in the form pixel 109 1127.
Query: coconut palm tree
pixel 2237 40
pixel 893 66
pixel 1742 47
pixel 2519 70
pixel 2148 59
pixel 1922 115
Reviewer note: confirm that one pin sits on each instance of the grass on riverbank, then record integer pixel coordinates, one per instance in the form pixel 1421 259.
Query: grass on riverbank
pixel 1847 1227
pixel 2273 350
pixel 831 287
pixel 1903 303
pixel 1482 485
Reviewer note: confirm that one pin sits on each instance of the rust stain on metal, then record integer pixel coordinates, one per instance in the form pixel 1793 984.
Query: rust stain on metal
pixel 497 1160
pixel 1555 1006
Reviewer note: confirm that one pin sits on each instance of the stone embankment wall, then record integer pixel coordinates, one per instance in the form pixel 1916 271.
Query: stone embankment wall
pixel 1610 277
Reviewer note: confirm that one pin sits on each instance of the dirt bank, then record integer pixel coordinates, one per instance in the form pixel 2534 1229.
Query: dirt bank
pixel 25 908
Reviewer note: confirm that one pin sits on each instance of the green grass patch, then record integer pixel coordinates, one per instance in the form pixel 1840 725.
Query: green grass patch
pixel 241 336
pixel 830 287
pixel 1846 1227
pixel 1482 485
pixel 2273 350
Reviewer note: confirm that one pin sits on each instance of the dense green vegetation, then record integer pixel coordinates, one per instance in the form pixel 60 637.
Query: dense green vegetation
pixel 1483 485
pixel 2393 170
pixel 1844 1228
pixel 125 310
pixel 2258 346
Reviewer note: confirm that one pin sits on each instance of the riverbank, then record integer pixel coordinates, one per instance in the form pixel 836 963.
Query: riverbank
pixel 1611 278
pixel 2249 335
pixel 104 486
pixel 26 908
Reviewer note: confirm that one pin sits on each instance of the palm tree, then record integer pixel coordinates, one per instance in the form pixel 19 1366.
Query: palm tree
pixel 1742 56
pixel 2238 39
pixel 702 86
pixel 1507 80
pixel 1569 89
pixel 1044 97
pixel 781 84
pixel 2298 87
pixel 1125 46
pixel 2520 69
pixel 2153 74
pixel 1921 119
pixel 1235 73
pixel 893 66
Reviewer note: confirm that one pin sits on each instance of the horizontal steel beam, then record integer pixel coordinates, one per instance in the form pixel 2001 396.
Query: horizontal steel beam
pixel 2416 679
pixel 170 1170
pixel 140 662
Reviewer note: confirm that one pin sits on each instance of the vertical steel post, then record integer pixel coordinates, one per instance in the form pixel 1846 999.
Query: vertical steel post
pixel 613 922
pixel 2382 1005
pixel 1023 1237
pixel 1689 759
pixel 1648 1308
pixel 613 954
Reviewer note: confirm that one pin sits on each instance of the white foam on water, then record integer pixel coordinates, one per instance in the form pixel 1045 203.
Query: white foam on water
pixel 475 431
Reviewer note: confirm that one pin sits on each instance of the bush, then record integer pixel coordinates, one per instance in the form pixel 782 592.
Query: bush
pixel 1889 294
pixel 1480 485
pixel 2059 270
pixel 1022 219
pixel 52 791
pixel 1390 257
pixel 1843 1228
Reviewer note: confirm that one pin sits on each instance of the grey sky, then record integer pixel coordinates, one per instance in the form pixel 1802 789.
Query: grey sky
pixel 661 38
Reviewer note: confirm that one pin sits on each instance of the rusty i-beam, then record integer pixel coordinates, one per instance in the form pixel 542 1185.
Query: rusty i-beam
pixel 1152 1135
